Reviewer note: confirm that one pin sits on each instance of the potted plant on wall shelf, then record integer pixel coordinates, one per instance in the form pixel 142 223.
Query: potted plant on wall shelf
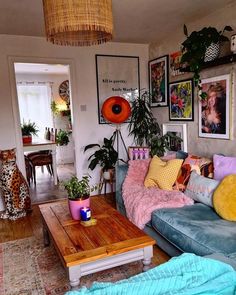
pixel 201 46
pixel 28 129
pixel 78 194
pixel 106 156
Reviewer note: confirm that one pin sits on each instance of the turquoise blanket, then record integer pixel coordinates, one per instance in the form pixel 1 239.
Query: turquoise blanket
pixel 187 274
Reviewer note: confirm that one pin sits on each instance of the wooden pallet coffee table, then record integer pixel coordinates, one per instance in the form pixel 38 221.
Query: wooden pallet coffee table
pixel 113 241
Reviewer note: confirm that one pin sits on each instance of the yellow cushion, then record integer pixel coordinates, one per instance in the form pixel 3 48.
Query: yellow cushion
pixel 162 174
pixel 224 198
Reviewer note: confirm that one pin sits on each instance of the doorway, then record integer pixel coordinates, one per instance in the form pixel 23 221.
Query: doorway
pixel 44 99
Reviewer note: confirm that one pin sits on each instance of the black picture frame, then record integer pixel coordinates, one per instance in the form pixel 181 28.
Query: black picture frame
pixel 158 70
pixel 116 75
pixel 181 100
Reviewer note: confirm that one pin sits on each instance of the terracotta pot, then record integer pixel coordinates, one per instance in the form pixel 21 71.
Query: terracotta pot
pixel 76 204
pixel 27 139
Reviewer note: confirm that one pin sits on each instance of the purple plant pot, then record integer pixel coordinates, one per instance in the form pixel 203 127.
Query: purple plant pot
pixel 75 205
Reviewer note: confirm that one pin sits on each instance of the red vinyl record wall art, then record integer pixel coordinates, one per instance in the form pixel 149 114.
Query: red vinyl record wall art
pixel 116 109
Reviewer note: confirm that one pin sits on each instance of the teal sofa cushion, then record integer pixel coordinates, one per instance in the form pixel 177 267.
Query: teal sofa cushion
pixel 121 171
pixel 196 229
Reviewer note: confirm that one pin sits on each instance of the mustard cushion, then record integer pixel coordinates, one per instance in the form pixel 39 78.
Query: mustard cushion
pixel 162 174
pixel 224 198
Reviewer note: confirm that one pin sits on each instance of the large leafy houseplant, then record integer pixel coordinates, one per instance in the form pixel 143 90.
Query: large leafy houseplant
pixel 145 128
pixel 143 125
pixel 105 156
pixel 195 46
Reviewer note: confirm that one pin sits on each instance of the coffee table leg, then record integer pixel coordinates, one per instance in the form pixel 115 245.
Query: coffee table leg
pixel 74 276
pixel 148 253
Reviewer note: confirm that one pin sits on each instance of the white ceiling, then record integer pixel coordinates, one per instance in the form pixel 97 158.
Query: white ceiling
pixel 135 21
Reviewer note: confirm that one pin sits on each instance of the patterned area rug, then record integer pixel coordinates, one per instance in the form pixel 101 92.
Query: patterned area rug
pixel 27 267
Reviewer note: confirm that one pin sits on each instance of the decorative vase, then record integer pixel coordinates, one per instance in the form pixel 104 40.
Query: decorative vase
pixel 76 204
pixel 27 139
pixel 212 52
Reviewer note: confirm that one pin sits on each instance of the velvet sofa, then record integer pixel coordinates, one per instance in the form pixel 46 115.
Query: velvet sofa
pixel 195 229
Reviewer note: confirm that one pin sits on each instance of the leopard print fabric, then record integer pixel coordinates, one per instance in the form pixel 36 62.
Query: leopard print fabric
pixel 14 187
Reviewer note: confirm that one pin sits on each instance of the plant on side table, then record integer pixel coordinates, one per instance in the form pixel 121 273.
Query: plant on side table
pixel 199 47
pixel 106 156
pixel 78 194
pixel 27 130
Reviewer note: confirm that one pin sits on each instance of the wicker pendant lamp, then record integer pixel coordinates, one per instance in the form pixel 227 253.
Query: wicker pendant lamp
pixel 78 22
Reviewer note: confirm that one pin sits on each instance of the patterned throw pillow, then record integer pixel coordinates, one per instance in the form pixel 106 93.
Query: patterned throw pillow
pixel 192 162
pixel 223 166
pixel 201 189
pixel 162 173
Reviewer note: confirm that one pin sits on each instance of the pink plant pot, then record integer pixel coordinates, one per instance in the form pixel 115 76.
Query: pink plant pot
pixel 75 205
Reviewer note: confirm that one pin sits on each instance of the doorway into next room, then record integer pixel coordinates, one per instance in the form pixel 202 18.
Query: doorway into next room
pixel 44 99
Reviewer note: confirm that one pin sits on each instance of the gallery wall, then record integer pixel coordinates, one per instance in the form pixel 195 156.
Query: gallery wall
pixel 197 145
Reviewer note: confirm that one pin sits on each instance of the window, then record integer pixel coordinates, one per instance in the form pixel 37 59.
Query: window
pixel 35 104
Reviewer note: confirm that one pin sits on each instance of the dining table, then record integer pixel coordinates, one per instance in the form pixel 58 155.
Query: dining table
pixel 40 144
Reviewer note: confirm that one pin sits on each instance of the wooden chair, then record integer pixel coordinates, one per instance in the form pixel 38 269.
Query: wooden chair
pixel 28 169
pixel 40 159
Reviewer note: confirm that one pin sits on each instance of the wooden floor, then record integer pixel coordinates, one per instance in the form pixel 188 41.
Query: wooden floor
pixel 31 225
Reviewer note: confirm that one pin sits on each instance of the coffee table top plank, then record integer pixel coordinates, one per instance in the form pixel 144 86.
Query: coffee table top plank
pixel 61 240
pixel 109 250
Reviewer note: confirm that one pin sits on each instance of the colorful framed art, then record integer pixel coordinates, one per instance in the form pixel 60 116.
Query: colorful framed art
pixel 116 76
pixel 214 111
pixel 176 67
pixel 158 81
pixel 181 106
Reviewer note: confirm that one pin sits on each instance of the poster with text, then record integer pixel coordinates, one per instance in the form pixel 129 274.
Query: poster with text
pixel 116 76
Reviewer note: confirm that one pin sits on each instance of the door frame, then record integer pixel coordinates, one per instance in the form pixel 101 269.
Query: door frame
pixel 15 106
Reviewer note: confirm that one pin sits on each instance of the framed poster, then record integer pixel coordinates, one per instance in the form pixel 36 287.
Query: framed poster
pixel 214 112
pixel 176 67
pixel 158 81
pixel 181 101
pixel 179 130
pixel 116 76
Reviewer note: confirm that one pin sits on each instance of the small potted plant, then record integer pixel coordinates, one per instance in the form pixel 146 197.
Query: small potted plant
pixel 78 194
pixel 201 46
pixel 106 156
pixel 28 129
pixel 62 137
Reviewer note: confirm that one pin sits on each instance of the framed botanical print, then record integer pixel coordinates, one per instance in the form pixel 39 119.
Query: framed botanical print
pixel 158 81
pixel 214 111
pixel 181 101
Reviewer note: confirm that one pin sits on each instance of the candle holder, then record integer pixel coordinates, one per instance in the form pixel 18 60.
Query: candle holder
pixel 85 213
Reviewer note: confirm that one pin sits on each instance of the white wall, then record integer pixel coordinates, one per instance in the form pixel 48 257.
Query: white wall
pixel 218 19
pixel 85 126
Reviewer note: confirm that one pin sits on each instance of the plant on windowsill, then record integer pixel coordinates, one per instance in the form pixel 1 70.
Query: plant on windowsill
pixel 27 130
pixel 199 47
pixel 78 194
